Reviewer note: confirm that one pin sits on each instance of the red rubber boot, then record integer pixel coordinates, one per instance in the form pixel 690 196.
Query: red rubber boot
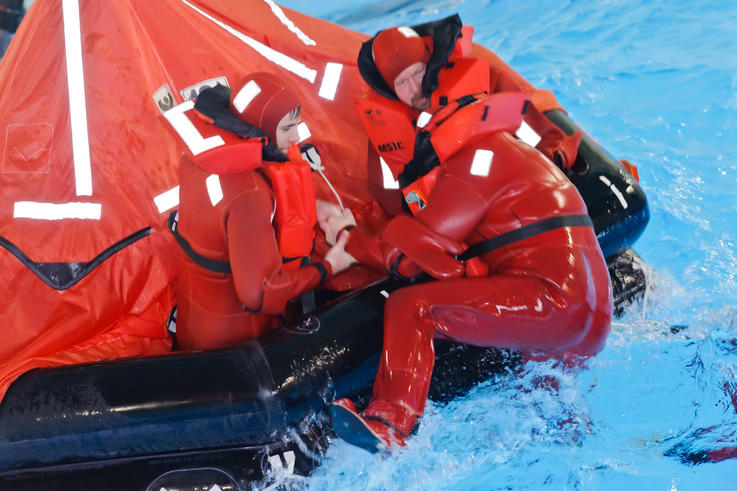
pixel 383 426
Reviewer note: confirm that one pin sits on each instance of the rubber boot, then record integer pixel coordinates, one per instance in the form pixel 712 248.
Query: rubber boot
pixel 383 426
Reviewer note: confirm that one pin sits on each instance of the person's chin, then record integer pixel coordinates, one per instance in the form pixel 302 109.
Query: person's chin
pixel 421 104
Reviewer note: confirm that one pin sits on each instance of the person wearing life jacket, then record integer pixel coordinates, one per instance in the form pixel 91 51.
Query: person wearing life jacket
pixel 499 227
pixel 247 215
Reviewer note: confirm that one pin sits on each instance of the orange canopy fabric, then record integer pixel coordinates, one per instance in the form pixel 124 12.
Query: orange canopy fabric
pixel 89 162
pixel 129 50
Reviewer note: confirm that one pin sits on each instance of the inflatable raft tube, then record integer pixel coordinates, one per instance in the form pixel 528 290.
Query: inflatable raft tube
pixel 228 417
pixel 238 412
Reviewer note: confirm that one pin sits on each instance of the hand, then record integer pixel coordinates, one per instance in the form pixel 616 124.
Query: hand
pixel 337 256
pixel 334 224
pixel 326 210
pixel 424 249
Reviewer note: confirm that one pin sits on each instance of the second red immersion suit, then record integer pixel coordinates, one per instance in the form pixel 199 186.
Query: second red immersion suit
pixel 227 216
pixel 547 291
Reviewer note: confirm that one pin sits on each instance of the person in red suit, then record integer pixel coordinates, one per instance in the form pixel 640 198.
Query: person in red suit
pixel 247 215
pixel 504 234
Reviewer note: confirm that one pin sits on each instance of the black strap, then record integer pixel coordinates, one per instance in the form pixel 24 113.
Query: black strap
pixel 200 260
pixel 522 233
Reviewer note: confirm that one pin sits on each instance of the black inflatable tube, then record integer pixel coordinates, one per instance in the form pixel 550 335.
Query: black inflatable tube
pixel 616 203
pixel 134 421
pixel 247 396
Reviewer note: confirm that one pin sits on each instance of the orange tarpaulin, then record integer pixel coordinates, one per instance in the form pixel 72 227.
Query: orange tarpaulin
pixel 89 162
pixel 86 262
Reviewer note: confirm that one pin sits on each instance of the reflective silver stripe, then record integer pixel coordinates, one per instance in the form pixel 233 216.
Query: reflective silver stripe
pixel 279 13
pixel 386 173
pixel 184 127
pixel 167 200
pixel 330 79
pixel 77 101
pixel 615 190
pixel 528 135
pixel 246 95
pixel 57 211
pixel 407 32
pixel 214 189
pixel 270 54
pixel 423 119
pixel 481 164
pixel 303 132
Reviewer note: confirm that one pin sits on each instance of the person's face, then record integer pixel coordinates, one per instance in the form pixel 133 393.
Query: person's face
pixel 408 86
pixel 286 131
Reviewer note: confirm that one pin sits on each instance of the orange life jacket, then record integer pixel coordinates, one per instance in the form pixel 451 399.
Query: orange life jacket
pixel 223 152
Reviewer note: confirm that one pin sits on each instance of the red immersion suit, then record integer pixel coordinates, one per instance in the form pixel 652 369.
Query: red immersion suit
pixel 549 292
pixel 227 214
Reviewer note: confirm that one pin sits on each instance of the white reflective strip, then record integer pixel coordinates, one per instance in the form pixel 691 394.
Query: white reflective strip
pixel 528 135
pixel 246 95
pixel 615 190
pixel 57 211
pixel 303 132
pixel 481 164
pixel 272 55
pixel 386 172
pixel 167 200
pixel 77 101
pixel 275 462
pixel 279 13
pixel 384 293
pixel 408 32
pixel 214 190
pixel 330 80
pixel 423 119
pixel 194 140
pixel 289 457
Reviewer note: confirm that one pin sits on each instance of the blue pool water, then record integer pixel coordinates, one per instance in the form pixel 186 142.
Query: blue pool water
pixel 654 81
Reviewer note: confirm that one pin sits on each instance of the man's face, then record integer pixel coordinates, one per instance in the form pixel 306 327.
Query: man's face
pixel 286 130
pixel 408 86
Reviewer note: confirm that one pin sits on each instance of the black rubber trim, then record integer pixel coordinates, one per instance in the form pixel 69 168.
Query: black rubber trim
pixel 523 233
pixel 386 423
pixel 200 260
pixel 61 276
pixel 323 271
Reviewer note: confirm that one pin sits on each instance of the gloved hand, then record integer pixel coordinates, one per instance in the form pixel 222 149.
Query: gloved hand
pixel 410 247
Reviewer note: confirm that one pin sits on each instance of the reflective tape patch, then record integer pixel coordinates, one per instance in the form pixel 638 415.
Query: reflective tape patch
pixel 187 131
pixel 246 95
pixel 481 164
pixel 57 211
pixel 214 190
pixel 528 135
pixel 386 172
pixel 167 200
pixel 423 119
pixel 303 132
pixel 615 190
pixel 77 101
pixel 279 13
pixel 270 54
pixel 330 79
pixel 284 461
pixel 408 32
